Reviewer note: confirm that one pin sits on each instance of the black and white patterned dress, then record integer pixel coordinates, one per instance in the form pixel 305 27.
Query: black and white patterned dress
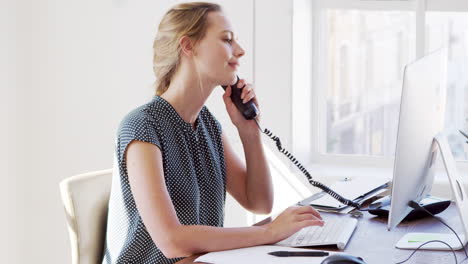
pixel 194 172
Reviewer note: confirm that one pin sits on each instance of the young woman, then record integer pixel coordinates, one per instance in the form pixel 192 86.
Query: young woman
pixel 174 162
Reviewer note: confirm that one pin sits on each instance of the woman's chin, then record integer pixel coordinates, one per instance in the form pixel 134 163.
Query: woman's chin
pixel 232 79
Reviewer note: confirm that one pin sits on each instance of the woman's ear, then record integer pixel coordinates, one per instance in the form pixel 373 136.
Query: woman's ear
pixel 186 46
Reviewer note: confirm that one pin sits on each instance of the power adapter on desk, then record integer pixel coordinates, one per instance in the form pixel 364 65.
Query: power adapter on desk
pixel 381 208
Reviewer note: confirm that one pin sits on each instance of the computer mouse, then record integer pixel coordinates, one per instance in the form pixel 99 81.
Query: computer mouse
pixel 343 259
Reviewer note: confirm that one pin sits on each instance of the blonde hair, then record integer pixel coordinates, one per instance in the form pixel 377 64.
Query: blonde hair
pixel 186 19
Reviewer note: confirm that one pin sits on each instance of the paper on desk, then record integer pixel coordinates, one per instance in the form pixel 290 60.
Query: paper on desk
pixel 258 254
pixel 350 190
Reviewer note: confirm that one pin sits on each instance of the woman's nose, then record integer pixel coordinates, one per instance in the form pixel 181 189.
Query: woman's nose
pixel 239 51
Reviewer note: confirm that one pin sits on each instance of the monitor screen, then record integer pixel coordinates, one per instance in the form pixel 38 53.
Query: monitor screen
pixel 421 118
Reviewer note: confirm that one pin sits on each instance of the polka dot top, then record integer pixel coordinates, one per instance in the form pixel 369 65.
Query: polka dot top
pixel 194 172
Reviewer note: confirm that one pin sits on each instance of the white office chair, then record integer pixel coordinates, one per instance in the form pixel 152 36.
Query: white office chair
pixel 86 198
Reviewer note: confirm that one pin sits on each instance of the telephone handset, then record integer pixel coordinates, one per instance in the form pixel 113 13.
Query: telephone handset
pixel 250 111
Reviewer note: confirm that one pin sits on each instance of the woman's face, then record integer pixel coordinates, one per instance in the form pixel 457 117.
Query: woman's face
pixel 218 53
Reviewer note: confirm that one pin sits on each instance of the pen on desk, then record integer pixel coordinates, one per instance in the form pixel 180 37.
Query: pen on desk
pixel 299 253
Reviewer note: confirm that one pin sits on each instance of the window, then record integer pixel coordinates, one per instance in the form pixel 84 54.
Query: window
pixel 452 27
pixel 363 78
pixel 359 50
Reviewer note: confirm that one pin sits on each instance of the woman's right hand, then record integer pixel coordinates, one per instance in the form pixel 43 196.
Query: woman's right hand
pixel 292 220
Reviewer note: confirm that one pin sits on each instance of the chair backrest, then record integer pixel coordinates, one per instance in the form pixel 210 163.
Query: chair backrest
pixel 86 198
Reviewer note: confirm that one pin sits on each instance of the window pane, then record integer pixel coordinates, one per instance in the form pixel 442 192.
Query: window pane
pixel 452 28
pixel 365 53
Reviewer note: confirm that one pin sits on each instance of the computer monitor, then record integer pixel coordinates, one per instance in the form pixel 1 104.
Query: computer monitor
pixel 419 140
pixel 421 118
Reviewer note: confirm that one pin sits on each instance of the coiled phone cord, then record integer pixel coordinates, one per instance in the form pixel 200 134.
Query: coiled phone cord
pixel 329 191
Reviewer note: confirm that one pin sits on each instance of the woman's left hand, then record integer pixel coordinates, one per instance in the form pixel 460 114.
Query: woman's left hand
pixel 248 93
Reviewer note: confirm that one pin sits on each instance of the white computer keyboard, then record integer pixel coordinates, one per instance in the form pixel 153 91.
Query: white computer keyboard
pixel 336 231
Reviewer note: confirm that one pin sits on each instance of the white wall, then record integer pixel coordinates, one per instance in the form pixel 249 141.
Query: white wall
pixel 73 69
pixel 14 79
pixel 273 65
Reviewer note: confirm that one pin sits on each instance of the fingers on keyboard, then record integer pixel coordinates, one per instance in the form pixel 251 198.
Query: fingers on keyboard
pixel 309 210
pixel 314 222
pixel 303 217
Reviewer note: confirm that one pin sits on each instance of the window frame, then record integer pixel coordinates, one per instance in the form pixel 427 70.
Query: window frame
pixel 313 126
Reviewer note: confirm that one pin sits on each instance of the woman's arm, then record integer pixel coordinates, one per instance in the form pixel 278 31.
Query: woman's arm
pixel 146 176
pixel 251 186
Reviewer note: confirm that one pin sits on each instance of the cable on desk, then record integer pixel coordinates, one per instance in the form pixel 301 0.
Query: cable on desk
pixel 416 205
pixel 427 242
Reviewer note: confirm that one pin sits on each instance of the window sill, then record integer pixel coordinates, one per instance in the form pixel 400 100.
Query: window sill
pixel 327 174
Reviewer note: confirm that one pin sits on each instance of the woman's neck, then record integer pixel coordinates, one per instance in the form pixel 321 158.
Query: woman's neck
pixel 187 98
